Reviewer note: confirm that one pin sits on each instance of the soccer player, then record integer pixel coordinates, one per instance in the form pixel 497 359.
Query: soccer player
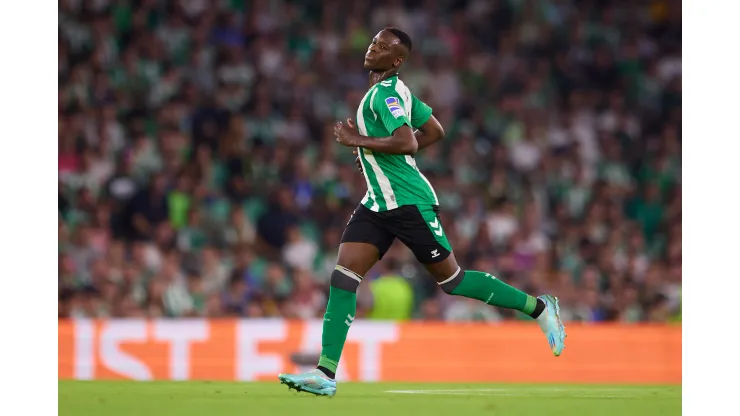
pixel 400 203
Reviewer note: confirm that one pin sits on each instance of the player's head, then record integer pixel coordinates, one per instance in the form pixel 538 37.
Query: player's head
pixel 388 50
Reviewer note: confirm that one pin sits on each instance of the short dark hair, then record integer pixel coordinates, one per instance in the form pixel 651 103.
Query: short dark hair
pixel 402 36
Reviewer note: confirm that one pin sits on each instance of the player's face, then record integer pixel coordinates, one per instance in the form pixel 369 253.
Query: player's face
pixel 384 52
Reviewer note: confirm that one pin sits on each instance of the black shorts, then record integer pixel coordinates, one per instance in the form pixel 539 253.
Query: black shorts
pixel 417 226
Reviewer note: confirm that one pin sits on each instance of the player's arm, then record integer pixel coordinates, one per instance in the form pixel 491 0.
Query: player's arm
pixel 387 106
pixel 429 128
pixel 429 133
pixel 402 142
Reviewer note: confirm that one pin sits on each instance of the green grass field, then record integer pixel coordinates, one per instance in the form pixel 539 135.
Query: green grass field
pixel 77 398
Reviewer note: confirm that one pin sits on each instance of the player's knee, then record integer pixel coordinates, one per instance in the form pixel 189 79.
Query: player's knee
pixel 449 284
pixel 345 279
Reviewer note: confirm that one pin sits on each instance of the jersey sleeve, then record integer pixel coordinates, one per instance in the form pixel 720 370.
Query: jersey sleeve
pixel 420 112
pixel 388 106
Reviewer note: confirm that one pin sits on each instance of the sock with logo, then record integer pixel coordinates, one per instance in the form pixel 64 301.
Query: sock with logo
pixel 484 286
pixel 340 312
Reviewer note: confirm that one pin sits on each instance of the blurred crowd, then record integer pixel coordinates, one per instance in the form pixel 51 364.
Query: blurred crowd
pixel 199 176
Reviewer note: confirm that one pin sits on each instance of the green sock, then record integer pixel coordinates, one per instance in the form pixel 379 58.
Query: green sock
pixel 486 287
pixel 340 312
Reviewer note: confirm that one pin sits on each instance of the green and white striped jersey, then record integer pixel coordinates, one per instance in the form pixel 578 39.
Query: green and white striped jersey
pixel 392 180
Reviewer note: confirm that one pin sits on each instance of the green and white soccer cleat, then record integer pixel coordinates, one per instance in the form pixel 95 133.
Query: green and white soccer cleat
pixel 314 382
pixel 551 325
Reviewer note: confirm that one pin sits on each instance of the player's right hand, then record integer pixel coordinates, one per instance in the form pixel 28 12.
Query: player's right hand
pixel 357 160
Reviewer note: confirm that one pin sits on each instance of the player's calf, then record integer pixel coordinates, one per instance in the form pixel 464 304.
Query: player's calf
pixel 340 313
pixel 487 288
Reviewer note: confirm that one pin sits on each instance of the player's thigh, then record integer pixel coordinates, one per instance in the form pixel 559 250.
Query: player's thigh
pixel 420 229
pixel 364 241
pixel 358 257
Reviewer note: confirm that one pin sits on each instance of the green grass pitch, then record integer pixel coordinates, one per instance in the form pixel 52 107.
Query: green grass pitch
pixel 94 398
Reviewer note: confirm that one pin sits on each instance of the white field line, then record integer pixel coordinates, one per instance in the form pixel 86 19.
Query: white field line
pixel 532 391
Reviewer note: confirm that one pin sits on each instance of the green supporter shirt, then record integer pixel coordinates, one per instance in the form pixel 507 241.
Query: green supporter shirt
pixel 393 299
pixel 179 205
pixel 392 180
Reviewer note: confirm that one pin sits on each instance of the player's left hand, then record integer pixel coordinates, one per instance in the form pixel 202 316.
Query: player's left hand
pixel 347 135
